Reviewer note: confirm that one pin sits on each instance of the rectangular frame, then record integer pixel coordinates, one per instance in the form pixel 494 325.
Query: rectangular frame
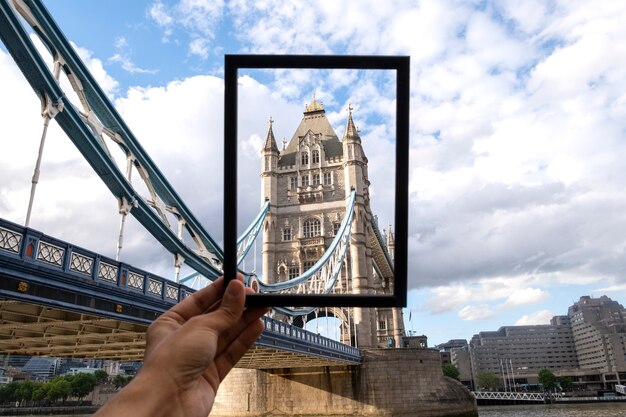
pixel 401 64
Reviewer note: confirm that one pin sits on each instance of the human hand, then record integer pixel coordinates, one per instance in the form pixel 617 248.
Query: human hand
pixel 189 351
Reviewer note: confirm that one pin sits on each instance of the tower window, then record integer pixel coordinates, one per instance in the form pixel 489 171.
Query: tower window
pixel 287 233
pixel 312 228
pixel 304 158
pixel 294 271
pixel 315 157
pixel 327 178
pixel 307 265
pixel 305 180
pixel 316 179
pixel 336 228
pixel 382 325
pixel 294 183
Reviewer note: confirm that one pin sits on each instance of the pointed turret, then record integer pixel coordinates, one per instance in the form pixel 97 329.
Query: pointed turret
pixel 391 242
pixel 270 141
pixel 351 133
pixel 269 155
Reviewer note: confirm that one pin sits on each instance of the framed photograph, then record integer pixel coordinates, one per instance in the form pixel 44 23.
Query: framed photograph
pixel 316 211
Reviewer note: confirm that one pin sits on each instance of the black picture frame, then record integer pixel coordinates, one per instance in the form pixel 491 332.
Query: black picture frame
pixel 401 64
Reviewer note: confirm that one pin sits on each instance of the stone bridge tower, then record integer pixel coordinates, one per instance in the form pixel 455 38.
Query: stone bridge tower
pixel 307 182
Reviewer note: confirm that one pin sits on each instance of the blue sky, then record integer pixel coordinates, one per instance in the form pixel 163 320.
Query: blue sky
pixel 517 134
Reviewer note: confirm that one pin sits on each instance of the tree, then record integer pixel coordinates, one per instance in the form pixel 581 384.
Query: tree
pixel 547 379
pixel 8 392
pixel 82 384
pixel 58 389
pixel 24 391
pixel 566 382
pixel 101 376
pixel 40 392
pixel 451 371
pixel 488 380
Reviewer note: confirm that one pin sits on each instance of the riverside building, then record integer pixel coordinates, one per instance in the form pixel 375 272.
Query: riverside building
pixel 588 345
pixel 599 330
pixel 517 353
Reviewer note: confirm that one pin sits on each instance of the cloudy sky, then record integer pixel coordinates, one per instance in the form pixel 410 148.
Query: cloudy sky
pixel 518 121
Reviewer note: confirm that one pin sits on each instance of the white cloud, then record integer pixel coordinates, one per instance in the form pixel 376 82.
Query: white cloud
pixel 480 312
pixel 526 296
pixel 195 20
pixel 122 57
pixel 538 317
pixel 199 47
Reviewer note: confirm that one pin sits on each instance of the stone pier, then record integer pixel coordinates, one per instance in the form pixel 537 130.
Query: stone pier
pixel 390 382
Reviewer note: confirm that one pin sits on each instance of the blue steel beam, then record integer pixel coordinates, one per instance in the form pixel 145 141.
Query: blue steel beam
pixel 43 82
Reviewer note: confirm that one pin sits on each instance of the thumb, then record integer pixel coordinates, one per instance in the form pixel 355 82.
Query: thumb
pixel 232 306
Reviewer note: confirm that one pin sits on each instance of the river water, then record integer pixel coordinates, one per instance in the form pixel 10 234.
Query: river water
pixel 555 410
pixel 547 410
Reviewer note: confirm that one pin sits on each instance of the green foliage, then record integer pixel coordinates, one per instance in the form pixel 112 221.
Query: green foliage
pixel 24 391
pixel 82 384
pixel 40 392
pixel 547 379
pixel 451 371
pixel 566 382
pixel 59 389
pixel 101 376
pixel 8 392
pixel 488 380
pixel 121 380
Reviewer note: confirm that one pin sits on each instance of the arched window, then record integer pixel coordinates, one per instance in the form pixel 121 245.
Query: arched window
pixel 315 157
pixel 304 158
pixel 312 228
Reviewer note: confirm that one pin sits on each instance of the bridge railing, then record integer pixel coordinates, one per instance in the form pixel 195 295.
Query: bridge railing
pixel 287 331
pixel 32 246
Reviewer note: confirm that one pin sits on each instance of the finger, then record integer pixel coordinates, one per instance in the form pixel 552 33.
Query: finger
pixel 231 318
pixel 225 361
pixel 205 300
pixel 231 307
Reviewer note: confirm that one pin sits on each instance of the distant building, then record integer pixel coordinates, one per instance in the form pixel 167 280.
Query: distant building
pixel 518 353
pixel 84 370
pixel 588 345
pixel 451 344
pixel 599 330
pixel 42 368
pixel 415 341
pixel 460 357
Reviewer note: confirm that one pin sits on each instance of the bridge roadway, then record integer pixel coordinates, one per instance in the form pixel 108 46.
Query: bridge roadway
pixel 57 299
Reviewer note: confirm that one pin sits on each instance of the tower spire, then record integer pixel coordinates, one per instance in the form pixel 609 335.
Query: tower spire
pixel 270 141
pixel 314 106
pixel 351 130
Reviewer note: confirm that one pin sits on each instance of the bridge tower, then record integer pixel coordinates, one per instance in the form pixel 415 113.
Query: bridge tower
pixel 307 182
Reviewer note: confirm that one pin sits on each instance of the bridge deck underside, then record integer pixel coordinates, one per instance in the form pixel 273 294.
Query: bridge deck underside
pixel 35 330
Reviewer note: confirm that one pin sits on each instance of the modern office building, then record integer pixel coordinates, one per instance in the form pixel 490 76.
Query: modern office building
pixel 588 345
pixel 599 331
pixel 518 353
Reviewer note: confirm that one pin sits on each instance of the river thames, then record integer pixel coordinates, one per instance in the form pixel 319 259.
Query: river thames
pixel 549 410
pixel 555 410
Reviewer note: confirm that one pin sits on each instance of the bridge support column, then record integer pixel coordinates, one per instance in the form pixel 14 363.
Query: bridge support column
pixel 390 382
